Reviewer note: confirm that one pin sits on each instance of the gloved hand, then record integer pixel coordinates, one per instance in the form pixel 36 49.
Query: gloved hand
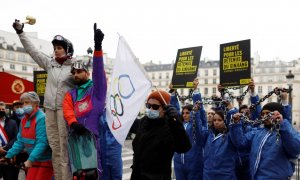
pixel 171 112
pixel 78 128
pixel 98 38
pixel 18 26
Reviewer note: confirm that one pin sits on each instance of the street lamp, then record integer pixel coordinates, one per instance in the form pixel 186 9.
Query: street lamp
pixel 289 81
pixel 89 50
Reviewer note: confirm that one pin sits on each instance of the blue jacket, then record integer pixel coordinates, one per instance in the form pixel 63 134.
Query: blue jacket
pixel 287 112
pixel 11 130
pixel 193 159
pixel 32 138
pixel 269 158
pixel 255 114
pixel 219 156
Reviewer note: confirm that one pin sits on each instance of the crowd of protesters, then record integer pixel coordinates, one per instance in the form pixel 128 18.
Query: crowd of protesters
pixel 223 142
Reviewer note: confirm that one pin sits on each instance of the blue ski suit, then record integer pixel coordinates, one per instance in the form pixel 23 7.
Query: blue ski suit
pixel 269 158
pixel 189 165
pixel 111 152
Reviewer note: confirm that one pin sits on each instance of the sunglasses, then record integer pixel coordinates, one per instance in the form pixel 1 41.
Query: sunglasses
pixel 154 106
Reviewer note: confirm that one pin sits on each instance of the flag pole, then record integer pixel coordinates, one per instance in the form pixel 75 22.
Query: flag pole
pixel 160 95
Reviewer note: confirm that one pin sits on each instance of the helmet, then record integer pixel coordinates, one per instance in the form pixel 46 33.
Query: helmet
pixel 65 43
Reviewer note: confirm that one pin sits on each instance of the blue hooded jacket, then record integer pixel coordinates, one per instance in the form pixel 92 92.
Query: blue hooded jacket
pixel 269 158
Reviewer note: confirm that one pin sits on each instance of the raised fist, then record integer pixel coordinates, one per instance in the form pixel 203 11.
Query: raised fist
pixel 18 26
pixel 98 38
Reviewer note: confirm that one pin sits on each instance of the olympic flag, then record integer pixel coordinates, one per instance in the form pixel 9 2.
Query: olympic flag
pixel 129 88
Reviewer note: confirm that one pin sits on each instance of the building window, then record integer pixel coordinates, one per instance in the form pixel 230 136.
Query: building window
pixel 22 57
pixel 280 79
pixel 153 76
pixel 12 66
pixel 181 92
pixel 205 81
pixel 283 70
pixel 159 76
pixel 270 80
pixel 206 91
pixel 270 88
pixel 214 90
pixel 159 83
pixel 30 59
pixel 241 91
pixel 260 89
pixel 206 72
pixel 35 69
pixel 1 54
pixel 214 72
pixel 167 75
pixel 10 56
pixel 214 81
pixel 24 68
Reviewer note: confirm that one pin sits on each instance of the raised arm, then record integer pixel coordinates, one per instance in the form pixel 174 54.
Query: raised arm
pixel 41 59
pixel 99 78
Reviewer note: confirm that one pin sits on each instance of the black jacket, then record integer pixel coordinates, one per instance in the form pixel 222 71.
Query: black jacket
pixel 11 130
pixel 16 119
pixel 154 145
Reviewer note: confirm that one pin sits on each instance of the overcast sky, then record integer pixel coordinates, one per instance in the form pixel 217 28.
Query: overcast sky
pixel 156 29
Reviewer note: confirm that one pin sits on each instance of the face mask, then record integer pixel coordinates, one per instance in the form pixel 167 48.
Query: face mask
pixel 152 114
pixel 2 114
pixel 27 109
pixel 20 112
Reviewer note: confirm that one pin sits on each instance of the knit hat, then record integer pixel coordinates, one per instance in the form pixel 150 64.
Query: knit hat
pixel 273 106
pixel 158 96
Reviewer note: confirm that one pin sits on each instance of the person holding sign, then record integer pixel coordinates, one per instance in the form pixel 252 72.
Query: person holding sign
pixel 272 146
pixel 59 81
pixel 158 135
pixel 189 165
pixel 219 151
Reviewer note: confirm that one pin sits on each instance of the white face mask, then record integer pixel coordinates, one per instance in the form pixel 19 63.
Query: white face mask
pixel 20 111
pixel 152 114
pixel 27 109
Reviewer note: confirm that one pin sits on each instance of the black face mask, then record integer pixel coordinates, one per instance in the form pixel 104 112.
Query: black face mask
pixel 2 114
